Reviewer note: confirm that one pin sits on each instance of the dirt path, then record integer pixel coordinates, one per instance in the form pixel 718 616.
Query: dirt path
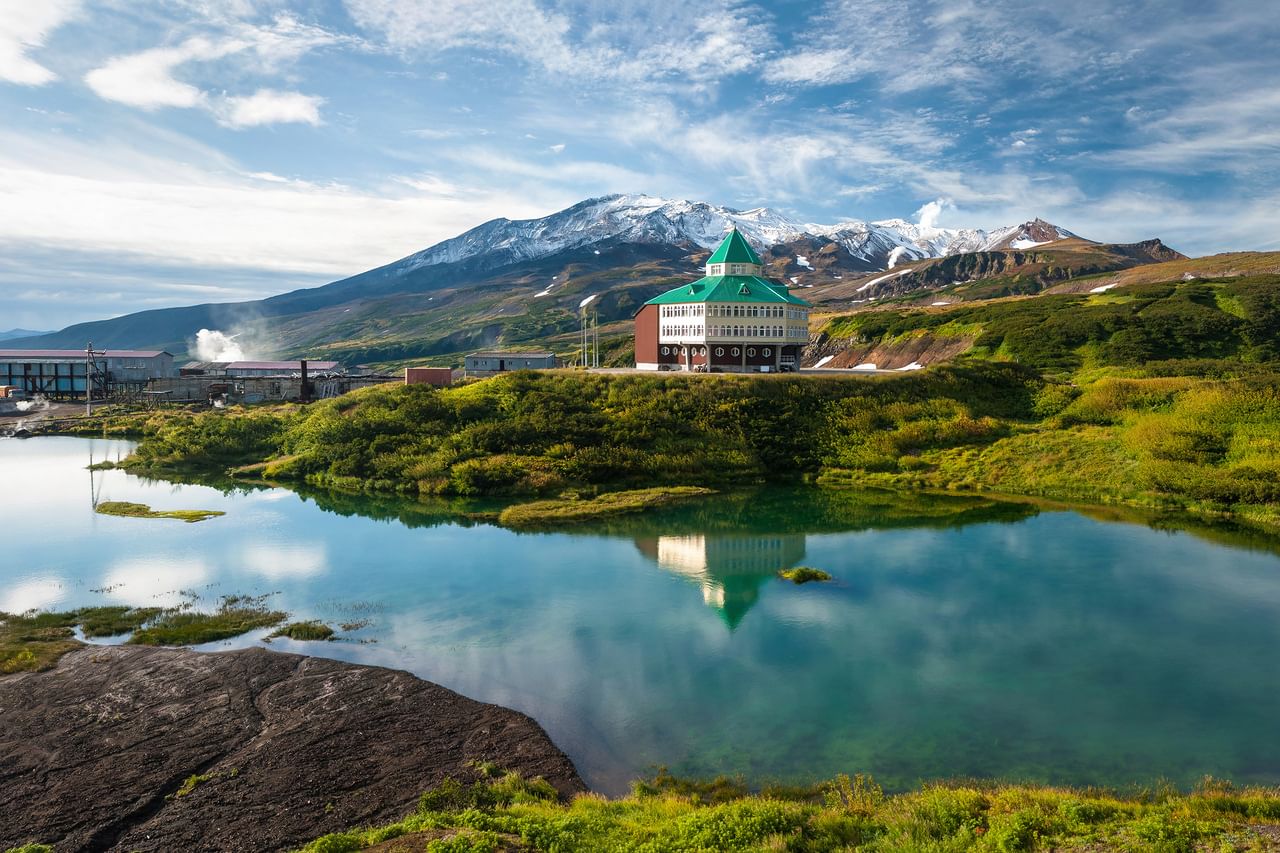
pixel 100 752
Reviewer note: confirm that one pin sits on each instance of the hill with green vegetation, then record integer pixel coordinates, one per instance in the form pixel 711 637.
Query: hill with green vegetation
pixel 507 812
pixel 1225 324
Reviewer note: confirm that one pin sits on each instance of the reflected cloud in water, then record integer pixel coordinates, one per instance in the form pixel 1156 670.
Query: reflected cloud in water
pixel 38 593
pixel 278 560
pixel 153 582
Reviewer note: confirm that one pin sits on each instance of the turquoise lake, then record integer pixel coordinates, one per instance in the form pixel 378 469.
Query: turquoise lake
pixel 961 637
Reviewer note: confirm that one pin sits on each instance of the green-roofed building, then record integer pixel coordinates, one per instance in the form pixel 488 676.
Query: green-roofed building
pixel 731 320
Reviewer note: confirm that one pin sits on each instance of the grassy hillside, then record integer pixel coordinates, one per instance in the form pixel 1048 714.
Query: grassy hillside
pixel 666 814
pixel 1237 320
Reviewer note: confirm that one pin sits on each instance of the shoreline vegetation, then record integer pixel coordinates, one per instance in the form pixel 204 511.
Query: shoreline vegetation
pixel 508 812
pixel 36 640
pixel 1207 445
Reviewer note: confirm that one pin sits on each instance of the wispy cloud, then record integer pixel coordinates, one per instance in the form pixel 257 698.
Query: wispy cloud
pixel 149 79
pixel 24 26
pixel 1235 131
pixel 657 43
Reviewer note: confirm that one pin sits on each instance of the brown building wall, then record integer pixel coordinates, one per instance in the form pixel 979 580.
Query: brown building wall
pixel 438 376
pixel 647 335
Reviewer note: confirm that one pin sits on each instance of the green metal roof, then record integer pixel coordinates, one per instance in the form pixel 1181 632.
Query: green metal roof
pixel 727 288
pixel 734 249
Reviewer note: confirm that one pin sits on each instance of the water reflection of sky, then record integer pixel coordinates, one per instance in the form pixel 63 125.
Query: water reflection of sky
pixel 1051 647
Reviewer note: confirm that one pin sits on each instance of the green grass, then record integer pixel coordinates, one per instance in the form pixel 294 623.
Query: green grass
pixel 34 642
pixel 803 574
pixel 134 510
pixel 304 631
pixel 190 784
pixel 31 642
pixel 234 617
pixel 667 814
pixel 570 510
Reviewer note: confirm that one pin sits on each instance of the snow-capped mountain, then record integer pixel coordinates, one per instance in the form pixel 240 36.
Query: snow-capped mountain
pixel 646 219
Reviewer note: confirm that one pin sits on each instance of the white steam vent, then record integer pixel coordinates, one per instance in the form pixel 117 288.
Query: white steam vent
pixel 212 345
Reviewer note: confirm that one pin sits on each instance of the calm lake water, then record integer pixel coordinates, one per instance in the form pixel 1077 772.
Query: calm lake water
pixel 962 637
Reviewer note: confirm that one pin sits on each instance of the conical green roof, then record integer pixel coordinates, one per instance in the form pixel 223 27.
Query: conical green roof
pixel 734 250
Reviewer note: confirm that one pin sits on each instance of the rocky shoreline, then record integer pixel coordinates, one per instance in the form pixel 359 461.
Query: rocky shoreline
pixel 135 748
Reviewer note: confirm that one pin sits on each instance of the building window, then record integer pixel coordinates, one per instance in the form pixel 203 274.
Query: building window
pixel 767 352
pixel 719 351
pixel 751 353
pixel 735 352
pixel 666 350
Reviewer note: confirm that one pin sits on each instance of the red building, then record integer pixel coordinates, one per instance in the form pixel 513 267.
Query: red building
pixel 731 320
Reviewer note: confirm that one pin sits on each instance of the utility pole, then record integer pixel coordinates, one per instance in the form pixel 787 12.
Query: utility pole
pixel 88 379
pixel 91 373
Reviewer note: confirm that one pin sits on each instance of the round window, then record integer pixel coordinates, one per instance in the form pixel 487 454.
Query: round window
pixel 751 353
pixel 735 351
pixel 666 350
pixel 767 352
pixel 719 350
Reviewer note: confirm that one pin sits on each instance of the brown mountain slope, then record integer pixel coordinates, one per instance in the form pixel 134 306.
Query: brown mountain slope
pixel 1008 272
pixel 1228 265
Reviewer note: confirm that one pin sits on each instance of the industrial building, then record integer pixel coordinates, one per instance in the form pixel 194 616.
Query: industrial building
pixel 65 374
pixel 730 320
pixel 500 362
pixel 222 382
pixel 244 369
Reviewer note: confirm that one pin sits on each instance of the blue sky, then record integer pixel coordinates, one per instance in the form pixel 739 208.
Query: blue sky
pixel 164 152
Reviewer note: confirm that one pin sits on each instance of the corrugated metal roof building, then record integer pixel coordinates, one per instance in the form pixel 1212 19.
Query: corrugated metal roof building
pixel 62 373
pixel 500 362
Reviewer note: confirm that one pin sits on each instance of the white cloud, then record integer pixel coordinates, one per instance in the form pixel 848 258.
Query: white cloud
pixel 146 79
pixel 557 148
pixel 194 208
pixel 149 79
pixel 24 25
pixel 267 106
pixel 819 66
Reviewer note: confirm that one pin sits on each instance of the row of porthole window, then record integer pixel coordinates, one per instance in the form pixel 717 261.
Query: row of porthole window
pixel 767 352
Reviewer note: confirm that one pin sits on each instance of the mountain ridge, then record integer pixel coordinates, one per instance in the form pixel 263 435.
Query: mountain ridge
pixel 523 281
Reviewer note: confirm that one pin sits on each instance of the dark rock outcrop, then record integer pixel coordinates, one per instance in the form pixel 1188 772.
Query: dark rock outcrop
pixel 100 753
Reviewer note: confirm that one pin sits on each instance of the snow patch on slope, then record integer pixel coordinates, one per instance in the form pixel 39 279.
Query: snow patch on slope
pixel 876 281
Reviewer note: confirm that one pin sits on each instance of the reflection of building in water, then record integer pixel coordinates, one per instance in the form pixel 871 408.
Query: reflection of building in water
pixel 729 569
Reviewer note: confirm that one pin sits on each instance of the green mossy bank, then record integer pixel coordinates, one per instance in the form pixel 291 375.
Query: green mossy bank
pixel 667 814
pixel 1202 443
